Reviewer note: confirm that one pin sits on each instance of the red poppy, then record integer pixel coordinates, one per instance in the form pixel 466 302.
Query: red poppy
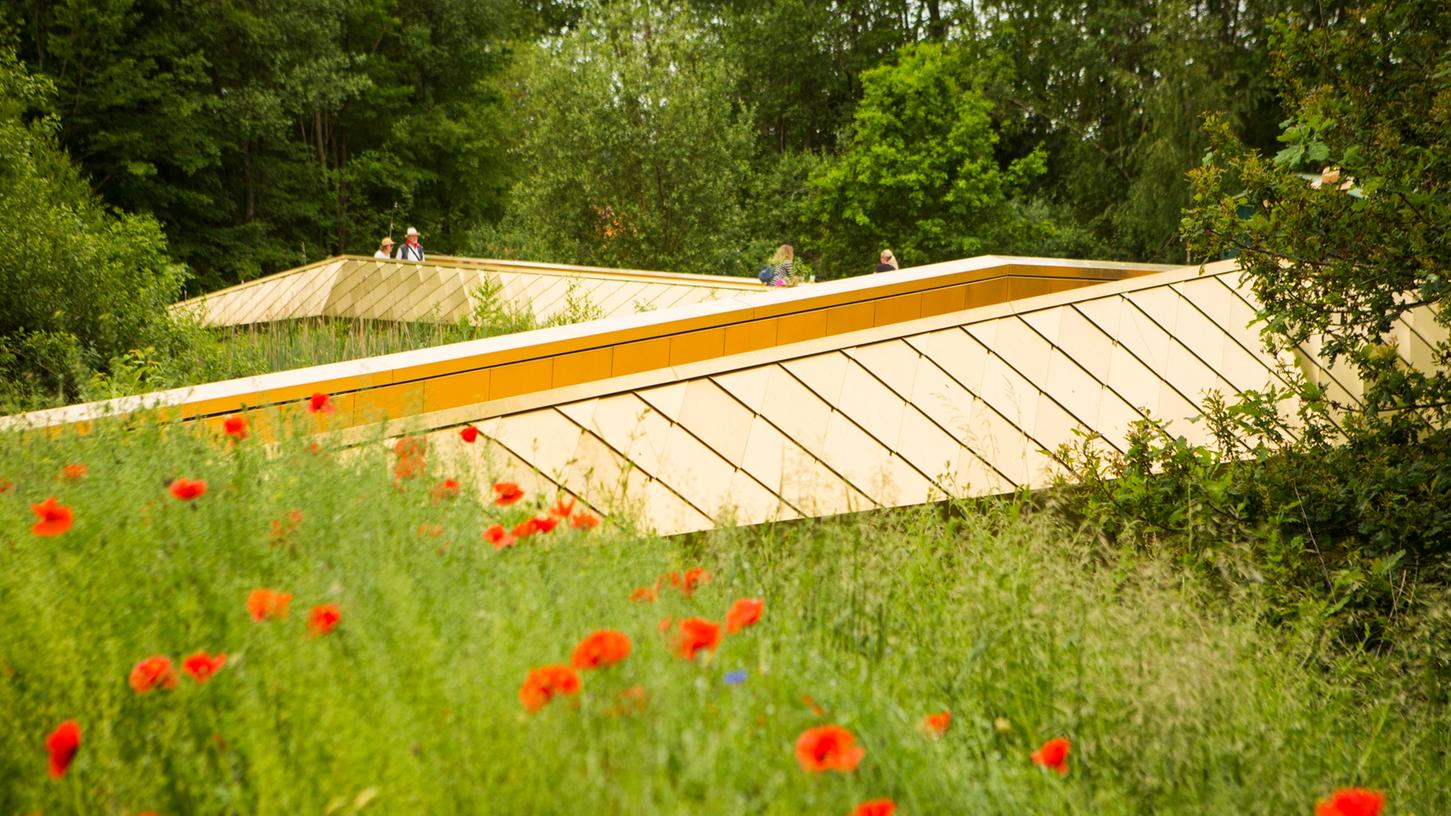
pixel 446 489
pixel 744 612
pixel 562 508
pixel 828 748
pixel 605 647
pixel 469 433
pixel 74 473
pixel 687 583
pixel 323 618
pixel 1351 802
pixel 5 485
pixel 411 447
pixel 430 530
pixel 876 807
pixel 407 467
pixel 152 672
pixel 1053 754
pixel 202 666
pixel 500 538
pixel 508 493
pixel 696 634
pixel 935 724
pixel 235 427
pixel 584 520
pixel 187 489
pixel 321 403
pixel 544 683
pixel 544 523
pixel 266 603
pixel 62 745
pixel 665 623
pixel 54 518
pixel 282 529
pixel 642 595
pixel 524 529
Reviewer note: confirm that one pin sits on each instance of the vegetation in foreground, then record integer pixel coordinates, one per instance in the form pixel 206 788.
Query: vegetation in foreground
pixel 396 681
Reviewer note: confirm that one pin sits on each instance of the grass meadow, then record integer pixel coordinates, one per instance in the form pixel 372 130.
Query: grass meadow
pixel 1174 699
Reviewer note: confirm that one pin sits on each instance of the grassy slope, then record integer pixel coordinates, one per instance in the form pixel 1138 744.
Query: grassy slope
pixel 1175 702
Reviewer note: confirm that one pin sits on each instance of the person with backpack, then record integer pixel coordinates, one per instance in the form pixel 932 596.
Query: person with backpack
pixel 782 264
pixel 411 250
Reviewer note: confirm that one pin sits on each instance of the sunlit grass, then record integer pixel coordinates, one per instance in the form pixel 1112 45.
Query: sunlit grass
pixel 1174 701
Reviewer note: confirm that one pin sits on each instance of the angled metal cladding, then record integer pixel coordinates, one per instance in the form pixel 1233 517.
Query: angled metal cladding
pixel 440 290
pixel 963 404
pixel 884 391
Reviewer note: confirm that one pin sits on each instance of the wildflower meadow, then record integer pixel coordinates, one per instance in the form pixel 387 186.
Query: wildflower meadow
pixel 209 623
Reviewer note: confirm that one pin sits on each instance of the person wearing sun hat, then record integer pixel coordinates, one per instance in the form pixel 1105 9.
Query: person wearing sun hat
pixel 385 248
pixel 411 250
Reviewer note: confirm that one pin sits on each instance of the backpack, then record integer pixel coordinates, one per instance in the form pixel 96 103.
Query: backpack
pixel 766 274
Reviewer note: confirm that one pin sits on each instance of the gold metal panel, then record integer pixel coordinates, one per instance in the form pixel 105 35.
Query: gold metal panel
pixel 631 426
pixel 794 409
pixel 986 293
pixel 869 403
pixel 717 418
pixel 644 355
pixel 1014 341
pixel 582 366
pixel 893 362
pixel 454 390
pixel 600 474
pixel 1021 288
pixel 942 301
pixel 1009 393
pixel 521 378
pixel 700 345
pixel 869 465
pixel 956 352
pixel 692 470
pixel 546 439
pixel 747 385
pixel 666 399
pixel 389 402
pixel 800 479
pixel 797 327
pixel 851 317
pixel 822 373
pixel 741 338
pixel 898 309
pixel 667 511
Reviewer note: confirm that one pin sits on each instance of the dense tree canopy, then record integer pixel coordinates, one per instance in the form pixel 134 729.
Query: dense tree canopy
pixel 633 149
pixel 81 284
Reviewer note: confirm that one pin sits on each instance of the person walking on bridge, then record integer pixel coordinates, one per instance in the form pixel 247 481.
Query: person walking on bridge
pixel 411 249
pixel 385 248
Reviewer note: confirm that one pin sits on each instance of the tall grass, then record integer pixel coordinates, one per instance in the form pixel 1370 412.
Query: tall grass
pixel 1175 701
pixel 315 341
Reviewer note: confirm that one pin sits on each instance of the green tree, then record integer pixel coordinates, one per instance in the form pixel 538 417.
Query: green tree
pixel 635 152
pixel 1115 92
pixel 83 285
pixel 920 174
pixel 267 133
pixel 1344 258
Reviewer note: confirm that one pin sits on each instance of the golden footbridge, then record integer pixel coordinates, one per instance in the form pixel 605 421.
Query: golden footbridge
pixel 701 400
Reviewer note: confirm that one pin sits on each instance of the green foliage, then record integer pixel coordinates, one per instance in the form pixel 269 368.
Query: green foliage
pixel 920 174
pixel 1176 701
pixel 1342 261
pixel 638 155
pixel 83 284
pixel 271 133
pixel 1114 93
